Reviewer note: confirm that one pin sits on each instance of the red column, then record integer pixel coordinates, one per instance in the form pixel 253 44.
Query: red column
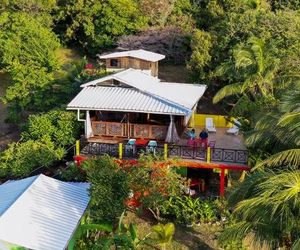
pixel 222 182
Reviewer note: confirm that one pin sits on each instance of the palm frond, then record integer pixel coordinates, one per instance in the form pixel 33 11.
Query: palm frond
pixel 228 90
pixel 289 157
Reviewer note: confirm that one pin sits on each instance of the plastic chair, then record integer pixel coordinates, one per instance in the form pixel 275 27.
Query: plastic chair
pixel 235 128
pixel 151 147
pixel 209 124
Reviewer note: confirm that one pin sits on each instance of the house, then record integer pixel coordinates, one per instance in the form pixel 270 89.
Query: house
pixel 40 212
pixel 135 59
pixel 134 104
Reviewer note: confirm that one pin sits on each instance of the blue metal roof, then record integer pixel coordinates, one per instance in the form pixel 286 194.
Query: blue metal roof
pixel 40 212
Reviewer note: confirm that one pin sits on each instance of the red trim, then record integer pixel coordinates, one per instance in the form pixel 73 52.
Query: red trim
pixel 222 182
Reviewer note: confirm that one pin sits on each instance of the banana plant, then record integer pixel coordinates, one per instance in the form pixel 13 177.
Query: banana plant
pixel 164 234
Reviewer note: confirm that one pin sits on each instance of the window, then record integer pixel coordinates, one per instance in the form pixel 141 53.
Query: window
pixel 114 62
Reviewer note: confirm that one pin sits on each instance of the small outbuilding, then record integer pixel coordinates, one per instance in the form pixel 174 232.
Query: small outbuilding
pixel 144 60
pixel 40 212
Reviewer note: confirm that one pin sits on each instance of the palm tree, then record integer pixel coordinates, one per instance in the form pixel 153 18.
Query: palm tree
pixel 257 70
pixel 267 204
pixel 278 132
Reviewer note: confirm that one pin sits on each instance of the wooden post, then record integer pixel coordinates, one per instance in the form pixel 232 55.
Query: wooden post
pixel 208 155
pixel 165 151
pixel 77 147
pixel 222 182
pixel 120 151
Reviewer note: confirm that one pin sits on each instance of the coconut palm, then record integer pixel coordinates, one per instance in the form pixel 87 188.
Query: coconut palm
pixel 267 204
pixel 268 209
pixel 256 68
pixel 278 132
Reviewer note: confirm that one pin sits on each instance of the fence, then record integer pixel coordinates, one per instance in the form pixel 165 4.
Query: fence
pixel 184 152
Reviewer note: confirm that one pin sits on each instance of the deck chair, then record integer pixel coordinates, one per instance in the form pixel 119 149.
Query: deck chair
pixel 235 128
pixel 209 124
pixel 151 147
pixel 130 146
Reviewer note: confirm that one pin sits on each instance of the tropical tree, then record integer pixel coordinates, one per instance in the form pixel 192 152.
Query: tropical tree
pixel 267 204
pixel 267 208
pixel 257 68
pixel 278 132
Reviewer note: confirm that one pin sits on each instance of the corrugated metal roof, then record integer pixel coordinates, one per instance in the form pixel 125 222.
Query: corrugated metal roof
pixel 184 94
pixel 123 100
pixel 45 215
pixel 140 54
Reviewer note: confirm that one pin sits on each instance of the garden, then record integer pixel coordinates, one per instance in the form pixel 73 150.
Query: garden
pixel 144 205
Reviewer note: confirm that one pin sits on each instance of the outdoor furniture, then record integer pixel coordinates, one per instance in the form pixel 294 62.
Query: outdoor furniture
pixel 141 142
pixel 130 146
pixel 209 125
pixel 151 147
pixel 235 128
pixel 212 144
pixel 201 142
pixel 191 142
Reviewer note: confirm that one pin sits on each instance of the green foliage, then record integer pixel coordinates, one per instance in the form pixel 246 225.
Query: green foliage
pixel 155 182
pixel 61 127
pixel 72 173
pixel 268 208
pixel 20 159
pixel 96 25
pixel 201 45
pixel 164 234
pixel 27 53
pixel 109 188
pixel 188 210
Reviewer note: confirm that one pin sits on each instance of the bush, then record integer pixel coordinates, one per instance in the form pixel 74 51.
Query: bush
pixel 72 173
pixel 188 210
pixel 61 127
pixel 109 188
pixel 155 182
pixel 20 159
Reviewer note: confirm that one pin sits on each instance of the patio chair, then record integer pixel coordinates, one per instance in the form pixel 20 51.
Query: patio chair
pixel 151 147
pixel 235 128
pixel 209 125
pixel 130 146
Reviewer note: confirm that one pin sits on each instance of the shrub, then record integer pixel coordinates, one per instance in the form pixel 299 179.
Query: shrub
pixel 20 159
pixel 109 188
pixel 188 210
pixel 72 173
pixel 155 181
pixel 61 127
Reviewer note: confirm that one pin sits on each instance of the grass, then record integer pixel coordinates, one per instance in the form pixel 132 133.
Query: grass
pixel 199 237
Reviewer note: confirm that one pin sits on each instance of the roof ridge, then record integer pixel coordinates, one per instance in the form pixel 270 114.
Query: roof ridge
pixel 21 194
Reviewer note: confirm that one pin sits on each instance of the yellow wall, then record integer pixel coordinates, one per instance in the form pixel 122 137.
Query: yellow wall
pixel 219 120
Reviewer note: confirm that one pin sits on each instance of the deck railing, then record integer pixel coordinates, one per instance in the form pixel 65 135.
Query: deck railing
pixel 130 130
pixel 184 152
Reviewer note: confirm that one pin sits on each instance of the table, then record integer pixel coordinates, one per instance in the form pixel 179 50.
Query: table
pixel 141 142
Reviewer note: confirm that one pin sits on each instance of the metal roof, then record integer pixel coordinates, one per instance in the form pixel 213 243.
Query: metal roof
pixel 183 94
pixel 123 100
pixel 40 212
pixel 140 54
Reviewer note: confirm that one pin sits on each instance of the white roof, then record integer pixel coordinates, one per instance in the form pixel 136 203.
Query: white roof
pixel 123 100
pixel 183 94
pixel 40 212
pixel 140 54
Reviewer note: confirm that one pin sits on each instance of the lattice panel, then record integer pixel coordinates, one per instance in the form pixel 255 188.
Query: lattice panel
pixel 141 130
pixel 115 129
pixel 99 128
pixel 158 132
